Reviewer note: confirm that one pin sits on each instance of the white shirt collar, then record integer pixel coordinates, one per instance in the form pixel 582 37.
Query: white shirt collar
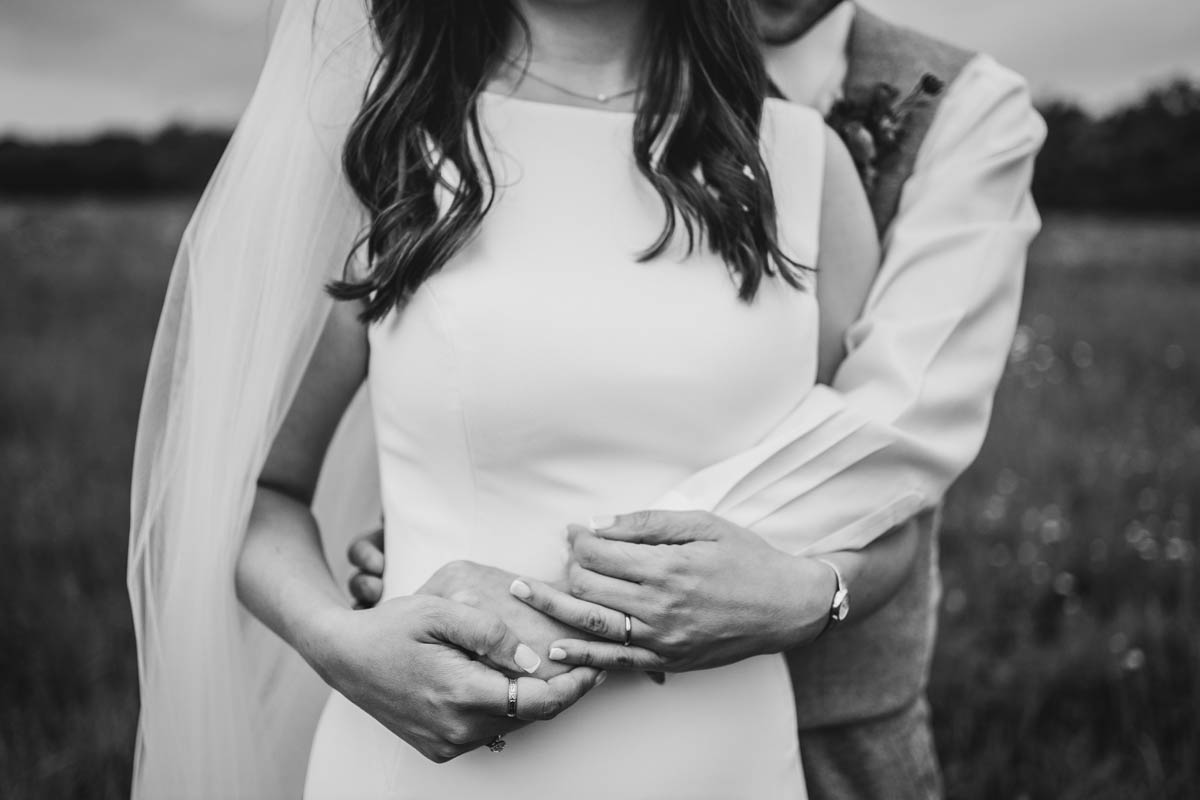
pixel 811 70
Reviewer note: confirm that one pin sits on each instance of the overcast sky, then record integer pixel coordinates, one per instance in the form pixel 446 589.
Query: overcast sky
pixel 75 66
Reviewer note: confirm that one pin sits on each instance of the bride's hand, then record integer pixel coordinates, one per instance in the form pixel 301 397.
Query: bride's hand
pixel 409 664
pixel 487 588
pixel 476 585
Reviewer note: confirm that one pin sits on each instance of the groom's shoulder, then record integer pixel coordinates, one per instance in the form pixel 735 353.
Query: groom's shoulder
pixel 880 45
pixel 984 107
pixel 881 50
pixel 893 35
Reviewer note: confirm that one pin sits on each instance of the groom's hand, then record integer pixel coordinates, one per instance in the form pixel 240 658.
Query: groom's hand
pixel 366 554
pixel 700 592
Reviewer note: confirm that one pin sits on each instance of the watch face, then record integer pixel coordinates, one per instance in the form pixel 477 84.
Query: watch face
pixel 841 605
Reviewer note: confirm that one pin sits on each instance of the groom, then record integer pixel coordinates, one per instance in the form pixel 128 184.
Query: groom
pixel 955 217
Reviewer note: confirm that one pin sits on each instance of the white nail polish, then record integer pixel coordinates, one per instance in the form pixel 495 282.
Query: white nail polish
pixel 601 522
pixel 520 588
pixel 527 659
pixel 557 654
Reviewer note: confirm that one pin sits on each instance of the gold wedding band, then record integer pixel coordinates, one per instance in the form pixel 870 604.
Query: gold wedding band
pixel 512 697
pixel 628 629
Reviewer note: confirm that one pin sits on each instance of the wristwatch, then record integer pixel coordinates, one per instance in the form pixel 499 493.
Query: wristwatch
pixel 839 608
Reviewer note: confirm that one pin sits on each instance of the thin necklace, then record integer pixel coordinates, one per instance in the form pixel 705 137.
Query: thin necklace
pixel 597 98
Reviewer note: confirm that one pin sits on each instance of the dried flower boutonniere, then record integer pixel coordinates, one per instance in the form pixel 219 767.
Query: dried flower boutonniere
pixel 872 122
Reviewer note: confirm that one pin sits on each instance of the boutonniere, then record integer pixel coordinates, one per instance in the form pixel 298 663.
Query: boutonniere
pixel 872 122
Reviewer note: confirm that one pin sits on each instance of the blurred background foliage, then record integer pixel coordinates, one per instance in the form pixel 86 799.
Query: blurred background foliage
pixel 1144 157
pixel 1140 158
pixel 1068 664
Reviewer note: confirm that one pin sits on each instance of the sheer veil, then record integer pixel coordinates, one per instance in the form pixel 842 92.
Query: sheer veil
pixel 227 709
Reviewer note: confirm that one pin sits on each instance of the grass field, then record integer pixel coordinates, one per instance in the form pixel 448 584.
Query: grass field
pixel 1069 660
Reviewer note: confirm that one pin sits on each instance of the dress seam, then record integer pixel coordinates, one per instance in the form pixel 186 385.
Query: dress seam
pixel 442 320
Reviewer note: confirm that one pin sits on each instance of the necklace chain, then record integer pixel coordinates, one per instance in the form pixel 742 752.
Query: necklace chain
pixel 597 98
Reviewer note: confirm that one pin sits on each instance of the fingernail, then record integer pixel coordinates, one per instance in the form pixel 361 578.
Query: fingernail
pixel 520 588
pixel 602 522
pixel 527 659
pixel 557 654
pixel 601 678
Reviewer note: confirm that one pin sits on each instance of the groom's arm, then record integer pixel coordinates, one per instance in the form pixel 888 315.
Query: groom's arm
pixel 923 362
pixel 923 359
pixel 928 350
pixel 907 410
pixel 702 592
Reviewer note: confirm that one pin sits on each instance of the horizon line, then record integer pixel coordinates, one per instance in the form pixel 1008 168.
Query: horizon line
pixel 226 125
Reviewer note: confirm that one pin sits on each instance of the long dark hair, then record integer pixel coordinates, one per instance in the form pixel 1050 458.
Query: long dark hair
pixel 695 138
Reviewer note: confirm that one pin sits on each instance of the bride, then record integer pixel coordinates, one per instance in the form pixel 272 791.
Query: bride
pixel 562 258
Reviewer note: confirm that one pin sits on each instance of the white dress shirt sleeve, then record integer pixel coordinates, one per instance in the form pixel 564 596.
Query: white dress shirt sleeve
pixel 908 409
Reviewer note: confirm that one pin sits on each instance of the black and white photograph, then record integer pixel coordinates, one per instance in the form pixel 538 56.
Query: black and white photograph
pixel 593 399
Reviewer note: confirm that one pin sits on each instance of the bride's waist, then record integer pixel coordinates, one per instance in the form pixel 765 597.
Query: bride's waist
pixel 723 733
pixel 753 693
pixel 514 527
pixel 416 551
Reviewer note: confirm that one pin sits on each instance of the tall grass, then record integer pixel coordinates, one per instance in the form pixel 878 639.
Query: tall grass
pixel 82 283
pixel 1069 655
pixel 1069 660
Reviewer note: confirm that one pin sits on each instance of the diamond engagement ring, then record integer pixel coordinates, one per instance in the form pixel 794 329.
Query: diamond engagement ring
pixel 497 744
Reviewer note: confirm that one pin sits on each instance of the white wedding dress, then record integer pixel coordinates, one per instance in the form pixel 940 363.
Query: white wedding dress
pixel 544 376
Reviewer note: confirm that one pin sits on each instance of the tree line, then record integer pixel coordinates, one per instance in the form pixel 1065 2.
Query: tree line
pixel 1141 158
pixel 178 160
